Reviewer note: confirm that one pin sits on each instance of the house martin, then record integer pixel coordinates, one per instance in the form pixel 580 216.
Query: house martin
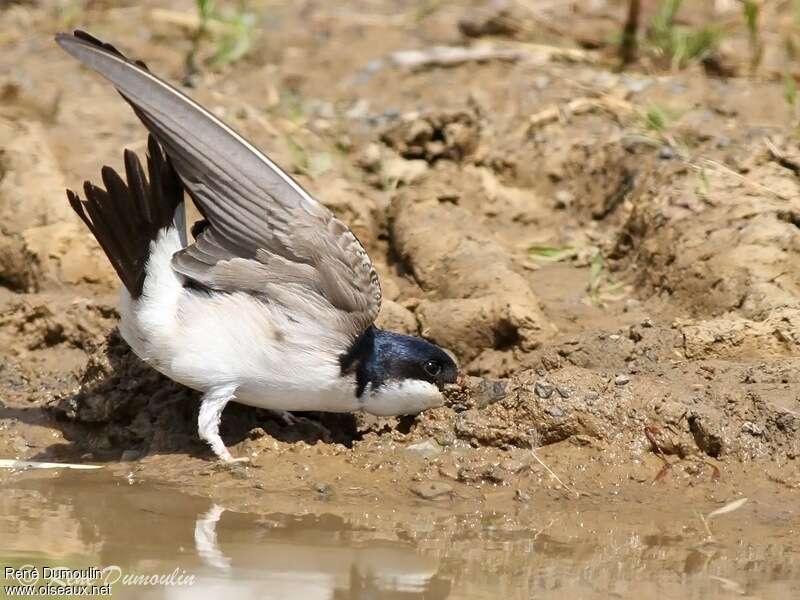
pixel 273 303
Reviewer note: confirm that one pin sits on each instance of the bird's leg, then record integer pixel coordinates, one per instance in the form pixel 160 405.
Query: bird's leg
pixel 211 406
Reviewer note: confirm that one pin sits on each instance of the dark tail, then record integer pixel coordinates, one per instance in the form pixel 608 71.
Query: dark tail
pixel 125 218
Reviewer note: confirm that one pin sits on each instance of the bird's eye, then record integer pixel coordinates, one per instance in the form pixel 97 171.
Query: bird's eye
pixel 432 368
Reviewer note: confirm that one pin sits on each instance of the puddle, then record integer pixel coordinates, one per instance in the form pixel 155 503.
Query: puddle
pixel 199 549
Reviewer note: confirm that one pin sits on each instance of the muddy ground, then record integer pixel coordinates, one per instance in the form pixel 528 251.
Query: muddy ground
pixel 623 293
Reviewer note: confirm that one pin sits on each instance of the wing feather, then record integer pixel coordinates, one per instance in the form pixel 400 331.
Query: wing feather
pixel 266 234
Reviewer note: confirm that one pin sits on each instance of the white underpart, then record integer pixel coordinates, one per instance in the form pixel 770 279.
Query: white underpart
pixel 236 347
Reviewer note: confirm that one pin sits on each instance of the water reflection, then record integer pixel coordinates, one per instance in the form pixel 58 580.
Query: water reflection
pixel 82 521
pixel 91 519
pixel 304 557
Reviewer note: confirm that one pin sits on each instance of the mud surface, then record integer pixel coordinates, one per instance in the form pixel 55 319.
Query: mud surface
pixel 622 294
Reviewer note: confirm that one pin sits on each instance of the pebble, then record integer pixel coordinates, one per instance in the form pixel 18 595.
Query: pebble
pixel 323 488
pixel 488 392
pixel 359 110
pixel 20 445
pixel 555 411
pixel 636 85
pixel 370 157
pixel 591 397
pixel 622 379
pixel 543 390
pixel 431 490
pixel 752 429
pixel 564 392
pixel 405 171
pixel 426 448
pixel 446 438
pixel 495 474
pixel 564 199
pixel 631 304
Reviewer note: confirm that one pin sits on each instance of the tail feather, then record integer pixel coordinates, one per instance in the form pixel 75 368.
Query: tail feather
pixel 127 215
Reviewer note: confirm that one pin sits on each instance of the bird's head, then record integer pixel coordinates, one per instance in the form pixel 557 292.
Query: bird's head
pixel 398 374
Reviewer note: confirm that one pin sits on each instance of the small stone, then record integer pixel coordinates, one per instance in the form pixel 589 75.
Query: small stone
pixel 495 473
pixel 405 171
pixel 666 152
pixel 555 411
pixel 446 438
pixel 591 397
pixel 522 496
pixel 426 448
pixel 514 466
pixel 430 490
pixel 564 199
pixel 541 82
pixel 564 392
pixel 543 390
pixel 752 429
pixel 631 304
pixel 488 392
pixel 325 489
pixel 647 323
pixel 359 109
pixel 622 379
pixel 370 157
pixel 638 85
pixel 614 337
pixel 581 440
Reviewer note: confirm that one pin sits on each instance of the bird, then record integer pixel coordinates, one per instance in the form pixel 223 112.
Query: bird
pixel 272 302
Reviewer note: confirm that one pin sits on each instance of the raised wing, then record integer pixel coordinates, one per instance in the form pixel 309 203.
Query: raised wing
pixel 266 235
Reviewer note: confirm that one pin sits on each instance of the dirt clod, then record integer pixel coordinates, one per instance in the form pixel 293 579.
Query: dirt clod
pixel 452 135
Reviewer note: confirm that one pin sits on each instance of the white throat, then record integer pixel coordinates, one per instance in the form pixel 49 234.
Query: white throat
pixel 403 397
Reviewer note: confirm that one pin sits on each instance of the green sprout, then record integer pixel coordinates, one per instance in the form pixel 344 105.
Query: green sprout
pixel 752 12
pixel 680 44
pixel 231 31
pixel 314 165
pixel 705 185
pixel 552 253
pixel 790 93
pixel 656 118
pixel 789 90
pixel 602 288
pixel 299 154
